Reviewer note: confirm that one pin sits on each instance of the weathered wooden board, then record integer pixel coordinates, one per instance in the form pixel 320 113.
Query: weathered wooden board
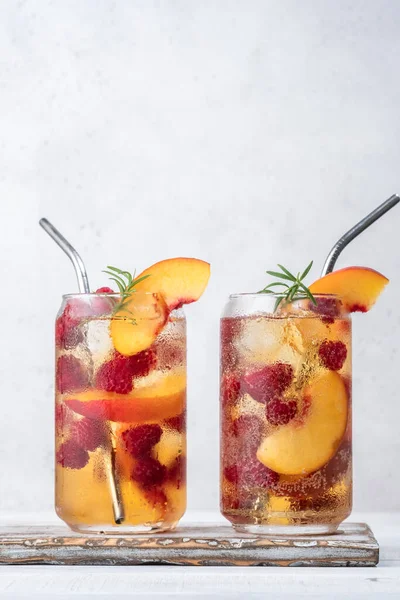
pixel 353 546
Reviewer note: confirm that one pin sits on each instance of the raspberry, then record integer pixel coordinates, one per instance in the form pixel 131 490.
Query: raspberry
pixel 149 472
pixel 230 389
pixel 140 440
pixel 60 332
pixel 68 332
pixel 231 474
pixel 268 382
pixel 332 354
pixel 72 456
pixel 280 412
pixel 115 376
pixel 70 375
pixel 250 473
pixel 247 428
pixel 178 422
pixel 101 305
pixel 88 433
pixel 329 308
pixel 142 363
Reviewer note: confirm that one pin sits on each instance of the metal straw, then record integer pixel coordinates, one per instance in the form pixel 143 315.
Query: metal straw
pixel 81 274
pixel 83 284
pixel 356 230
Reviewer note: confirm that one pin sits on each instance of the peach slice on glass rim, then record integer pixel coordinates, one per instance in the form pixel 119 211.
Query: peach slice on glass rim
pixel 358 287
pixel 135 325
pixel 163 399
pixel 179 280
pixel 302 447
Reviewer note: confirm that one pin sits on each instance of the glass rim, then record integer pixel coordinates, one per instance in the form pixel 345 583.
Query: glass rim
pixel 107 294
pixel 276 295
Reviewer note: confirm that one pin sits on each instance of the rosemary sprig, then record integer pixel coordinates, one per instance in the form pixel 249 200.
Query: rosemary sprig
pixel 126 283
pixel 293 286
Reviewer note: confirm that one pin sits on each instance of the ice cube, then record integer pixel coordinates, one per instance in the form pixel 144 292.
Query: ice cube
pixel 265 340
pixel 98 339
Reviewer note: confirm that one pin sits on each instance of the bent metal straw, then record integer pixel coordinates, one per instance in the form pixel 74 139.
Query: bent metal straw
pixel 355 231
pixel 83 284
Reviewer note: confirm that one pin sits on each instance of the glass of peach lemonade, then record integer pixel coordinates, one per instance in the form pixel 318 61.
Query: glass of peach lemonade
pixel 121 400
pixel 286 401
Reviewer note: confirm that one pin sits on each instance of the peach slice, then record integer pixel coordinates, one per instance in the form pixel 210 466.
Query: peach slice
pixel 179 280
pixel 135 326
pixel 358 287
pixel 163 399
pixel 305 446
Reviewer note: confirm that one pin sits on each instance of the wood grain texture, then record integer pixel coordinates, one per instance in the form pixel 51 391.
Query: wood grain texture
pixel 198 545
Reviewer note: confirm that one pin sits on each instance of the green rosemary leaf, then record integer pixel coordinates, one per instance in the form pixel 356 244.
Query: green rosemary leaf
pixel 288 273
pixel 111 274
pixel 292 293
pixel 277 283
pixel 128 276
pixel 296 291
pixel 119 271
pixel 126 283
pixel 280 275
pixel 306 271
pixel 277 303
pixel 138 280
pixel 309 294
pixel 119 284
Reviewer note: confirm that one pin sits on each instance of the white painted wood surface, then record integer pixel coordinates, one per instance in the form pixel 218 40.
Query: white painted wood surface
pixel 210 582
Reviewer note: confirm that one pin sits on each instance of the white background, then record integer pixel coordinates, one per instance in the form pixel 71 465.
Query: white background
pixel 243 132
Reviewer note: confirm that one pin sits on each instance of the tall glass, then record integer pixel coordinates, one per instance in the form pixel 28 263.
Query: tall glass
pixel 285 414
pixel 120 419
